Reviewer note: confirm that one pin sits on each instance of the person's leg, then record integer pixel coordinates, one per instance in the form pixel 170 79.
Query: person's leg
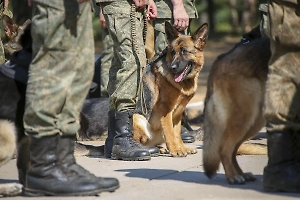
pixel 57 80
pixel 281 106
pixel 159 35
pixel 124 79
pixel 106 60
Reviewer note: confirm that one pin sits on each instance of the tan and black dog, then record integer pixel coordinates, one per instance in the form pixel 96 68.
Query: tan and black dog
pixel 168 84
pixel 233 107
pixel 8 121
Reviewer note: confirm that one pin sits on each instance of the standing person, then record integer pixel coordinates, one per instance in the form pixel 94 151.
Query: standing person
pixel 106 55
pixel 282 98
pixel 103 63
pixel 60 75
pixel 125 22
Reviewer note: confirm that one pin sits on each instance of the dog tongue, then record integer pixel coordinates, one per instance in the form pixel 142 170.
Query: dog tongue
pixel 179 77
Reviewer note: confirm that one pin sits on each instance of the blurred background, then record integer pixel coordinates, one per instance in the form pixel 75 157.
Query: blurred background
pixel 225 18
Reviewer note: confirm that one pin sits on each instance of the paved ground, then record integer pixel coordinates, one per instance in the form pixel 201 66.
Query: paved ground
pixel 167 178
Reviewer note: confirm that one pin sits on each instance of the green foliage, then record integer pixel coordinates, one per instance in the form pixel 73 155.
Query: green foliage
pixel 97 28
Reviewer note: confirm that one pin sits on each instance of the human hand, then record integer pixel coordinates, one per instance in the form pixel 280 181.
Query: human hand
pixel 29 2
pixel 152 10
pixel 102 20
pixel 6 2
pixel 181 18
pixel 140 3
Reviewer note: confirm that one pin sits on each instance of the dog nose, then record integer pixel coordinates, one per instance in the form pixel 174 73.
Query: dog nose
pixel 174 67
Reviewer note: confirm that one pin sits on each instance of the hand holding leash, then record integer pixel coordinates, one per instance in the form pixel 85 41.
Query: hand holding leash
pixel 152 10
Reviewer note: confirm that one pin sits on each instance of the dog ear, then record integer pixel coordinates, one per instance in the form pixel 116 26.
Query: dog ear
pixel 200 36
pixel 10 28
pixel 171 32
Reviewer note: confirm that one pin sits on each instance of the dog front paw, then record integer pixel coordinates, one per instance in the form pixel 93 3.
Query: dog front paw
pixel 178 152
pixel 191 150
pixel 236 180
pixel 249 176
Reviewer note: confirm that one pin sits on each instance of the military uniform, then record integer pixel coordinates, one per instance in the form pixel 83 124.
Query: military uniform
pixel 60 75
pixel 106 58
pixel 282 98
pixel 282 104
pixel 124 75
pixel 62 68
pixel 165 13
pixel 125 25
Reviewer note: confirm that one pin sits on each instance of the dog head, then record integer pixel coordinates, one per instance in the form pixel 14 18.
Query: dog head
pixel 13 32
pixel 185 53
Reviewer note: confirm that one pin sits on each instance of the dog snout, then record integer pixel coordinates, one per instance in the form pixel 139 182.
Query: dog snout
pixel 173 66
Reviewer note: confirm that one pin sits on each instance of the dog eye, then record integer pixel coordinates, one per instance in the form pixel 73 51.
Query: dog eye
pixel 183 51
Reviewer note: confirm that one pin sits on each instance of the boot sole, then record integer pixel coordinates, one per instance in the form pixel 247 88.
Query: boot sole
pixel 152 155
pixel 116 157
pixel 36 193
pixel 188 141
pixel 272 189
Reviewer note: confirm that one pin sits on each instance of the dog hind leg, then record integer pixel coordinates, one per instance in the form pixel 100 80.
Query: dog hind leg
pixel 7 141
pixel 7 149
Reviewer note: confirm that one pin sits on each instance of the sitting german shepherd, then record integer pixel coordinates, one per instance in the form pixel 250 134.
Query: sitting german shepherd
pixel 168 84
pixel 233 106
pixel 10 94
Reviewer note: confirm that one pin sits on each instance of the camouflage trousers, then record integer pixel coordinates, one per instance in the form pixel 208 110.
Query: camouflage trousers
pixel 106 60
pixel 129 59
pixel 62 67
pixel 282 99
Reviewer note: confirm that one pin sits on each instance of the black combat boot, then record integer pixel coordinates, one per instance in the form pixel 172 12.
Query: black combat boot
pixel 186 130
pixel 111 134
pixel 282 172
pixel 120 143
pixel 23 158
pixel 186 136
pixel 67 160
pixel 49 176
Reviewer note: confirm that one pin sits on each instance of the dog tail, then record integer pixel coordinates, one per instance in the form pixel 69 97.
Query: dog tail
pixel 213 132
pixel 7 141
pixel 252 149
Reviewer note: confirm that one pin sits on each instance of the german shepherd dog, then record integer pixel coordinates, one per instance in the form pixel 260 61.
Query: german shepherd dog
pixel 168 84
pixel 233 106
pixel 10 94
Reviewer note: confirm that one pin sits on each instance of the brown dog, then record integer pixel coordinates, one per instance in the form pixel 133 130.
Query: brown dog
pixel 8 140
pixel 169 83
pixel 233 106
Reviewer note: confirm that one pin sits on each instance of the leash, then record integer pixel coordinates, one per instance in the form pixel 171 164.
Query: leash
pixel 136 49
pixel 144 109
pixel 133 26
